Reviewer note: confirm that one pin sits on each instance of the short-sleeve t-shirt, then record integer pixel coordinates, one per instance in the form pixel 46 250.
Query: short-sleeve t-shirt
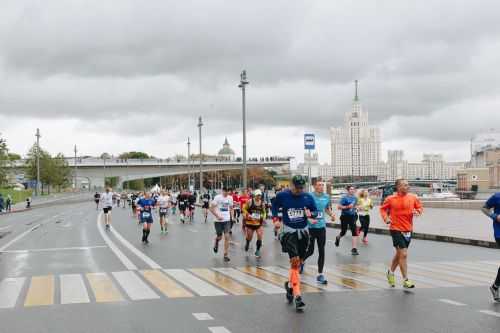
pixel 494 203
pixel 107 199
pixel 322 203
pixel 347 200
pixel 224 205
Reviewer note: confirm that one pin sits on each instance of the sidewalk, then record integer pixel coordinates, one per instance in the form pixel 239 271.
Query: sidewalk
pixel 46 200
pixel 463 226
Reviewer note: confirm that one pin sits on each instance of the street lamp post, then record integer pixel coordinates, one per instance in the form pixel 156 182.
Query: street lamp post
pixel 37 188
pixel 243 83
pixel 200 124
pixel 189 163
pixel 75 167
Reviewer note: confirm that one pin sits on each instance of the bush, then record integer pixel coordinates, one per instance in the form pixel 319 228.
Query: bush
pixel 17 196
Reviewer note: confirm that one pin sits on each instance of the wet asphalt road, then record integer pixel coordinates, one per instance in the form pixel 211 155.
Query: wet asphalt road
pixel 40 249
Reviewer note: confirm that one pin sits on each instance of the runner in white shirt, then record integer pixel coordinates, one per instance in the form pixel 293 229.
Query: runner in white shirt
pixel 222 209
pixel 107 204
pixel 163 202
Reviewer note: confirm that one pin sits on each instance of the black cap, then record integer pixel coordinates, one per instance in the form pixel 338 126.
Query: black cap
pixel 298 181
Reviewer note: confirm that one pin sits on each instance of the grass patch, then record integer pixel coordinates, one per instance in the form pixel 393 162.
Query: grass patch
pixel 17 196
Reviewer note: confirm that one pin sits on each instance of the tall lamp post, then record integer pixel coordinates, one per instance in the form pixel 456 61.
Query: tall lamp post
pixel 37 188
pixel 189 163
pixel 75 167
pixel 200 124
pixel 243 83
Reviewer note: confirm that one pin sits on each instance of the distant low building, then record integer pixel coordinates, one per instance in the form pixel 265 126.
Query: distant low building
pixel 473 179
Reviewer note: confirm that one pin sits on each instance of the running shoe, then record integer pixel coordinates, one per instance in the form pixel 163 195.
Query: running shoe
pixel 408 284
pixel 495 293
pixel 391 279
pixel 257 253
pixel 226 259
pixel 299 304
pixel 301 270
pixel 216 248
pixel 289 293
pixel 247 247
pixel 337 241
pixel 354 252
pixel 321 279
pixel 107 226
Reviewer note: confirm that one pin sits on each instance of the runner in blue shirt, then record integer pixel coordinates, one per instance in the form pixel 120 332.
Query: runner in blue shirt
pixel 297 206
pixel 348 217
pixel 317 227
pixel 492 210
pixel 146 205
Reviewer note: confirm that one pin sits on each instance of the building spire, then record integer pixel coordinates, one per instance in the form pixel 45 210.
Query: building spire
pixel 356 98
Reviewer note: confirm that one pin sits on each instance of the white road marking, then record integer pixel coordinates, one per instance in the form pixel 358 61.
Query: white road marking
pixel 150 262
pixel 7 227
pixel 123 258
pixel 135 288
pixel 305 279
pixel 449 301
pixel 203 316
pixel 194 283
pixel 54 249
pixel 73 289
pixel 253 282
pixel 10 288
pixel 491 313
pixel 19 237
pixel 219 329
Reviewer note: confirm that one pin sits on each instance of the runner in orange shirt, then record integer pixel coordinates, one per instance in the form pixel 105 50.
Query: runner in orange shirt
pixel 398 211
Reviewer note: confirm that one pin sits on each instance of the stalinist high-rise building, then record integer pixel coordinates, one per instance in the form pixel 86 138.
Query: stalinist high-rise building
pixel 355 146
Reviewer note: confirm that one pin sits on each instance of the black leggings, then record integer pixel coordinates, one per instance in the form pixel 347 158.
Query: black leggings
pixel 365 223
pixel 318 234
pixel 497 281
pixel 348 221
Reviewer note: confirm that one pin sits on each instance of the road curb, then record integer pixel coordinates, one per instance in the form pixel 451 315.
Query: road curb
pixel 15 211
pixel 437 238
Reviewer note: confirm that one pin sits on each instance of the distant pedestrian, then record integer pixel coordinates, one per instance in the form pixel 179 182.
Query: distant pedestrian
pixel 28 202
pixel 97 197
pixel 8 203
pixel 348 218
pixel 1 202
pixel 364 205
pixel 492 210
pixel 398 210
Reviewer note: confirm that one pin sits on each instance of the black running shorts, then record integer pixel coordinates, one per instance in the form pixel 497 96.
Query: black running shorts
pixel 106 210
pixel 294 245
pixel 222 228
pixel 400 239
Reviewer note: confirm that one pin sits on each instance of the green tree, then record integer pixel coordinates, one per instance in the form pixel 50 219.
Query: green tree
pixel 134 155
pixel 14 157
pixel 3 161
pixel 54 171
pixel 61 172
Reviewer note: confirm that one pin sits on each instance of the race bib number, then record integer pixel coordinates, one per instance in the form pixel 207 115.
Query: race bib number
pixel 163 210
pixel 146 215
pixel 406 235
pixel 295 214
pixel 320 215
pixel 255 216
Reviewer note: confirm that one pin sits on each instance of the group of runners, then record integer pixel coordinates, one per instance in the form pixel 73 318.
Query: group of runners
pixel 299 222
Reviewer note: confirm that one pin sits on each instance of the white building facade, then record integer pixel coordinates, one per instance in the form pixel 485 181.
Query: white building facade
pixel 355 147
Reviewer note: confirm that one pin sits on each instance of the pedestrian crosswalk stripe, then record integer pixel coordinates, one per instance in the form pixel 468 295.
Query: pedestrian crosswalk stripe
pixel 224 282
pixel 460 268
pixel 247 280
pixel 370 271
pixel 274 278
pixel 104 289
pixel 41 291
pixel 476 266
pixel 194 283
pixel 304 279
pixel 165 284
pixel 417 277
pixel 10 288
pixel 441 270
pixel 253 282
pixel 341 281
pixel 135 288
pixel 345 273
pixel 73 289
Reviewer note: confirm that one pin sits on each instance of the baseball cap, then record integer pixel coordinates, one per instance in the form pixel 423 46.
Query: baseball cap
pixel 298 181
pixel 257 192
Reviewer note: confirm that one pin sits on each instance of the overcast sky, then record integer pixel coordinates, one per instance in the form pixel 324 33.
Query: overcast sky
pixel 134 75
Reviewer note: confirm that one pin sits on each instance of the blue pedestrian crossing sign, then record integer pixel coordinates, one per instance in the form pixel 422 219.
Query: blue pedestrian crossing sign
pixel 309 141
